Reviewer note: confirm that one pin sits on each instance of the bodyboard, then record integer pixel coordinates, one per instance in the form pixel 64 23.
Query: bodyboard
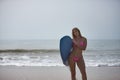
pixel 65 48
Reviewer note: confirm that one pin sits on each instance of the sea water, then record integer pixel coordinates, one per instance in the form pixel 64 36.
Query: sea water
pixel 99 53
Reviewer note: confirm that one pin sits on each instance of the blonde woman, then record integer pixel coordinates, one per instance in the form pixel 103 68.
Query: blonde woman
pixel 76 57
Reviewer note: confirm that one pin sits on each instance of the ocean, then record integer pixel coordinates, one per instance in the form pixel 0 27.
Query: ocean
pixel 99 53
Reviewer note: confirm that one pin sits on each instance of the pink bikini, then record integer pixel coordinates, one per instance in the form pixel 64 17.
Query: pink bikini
pixel 81 43
pixel 75 58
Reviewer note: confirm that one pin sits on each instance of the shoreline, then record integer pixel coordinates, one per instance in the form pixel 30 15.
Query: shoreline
pixel 56 73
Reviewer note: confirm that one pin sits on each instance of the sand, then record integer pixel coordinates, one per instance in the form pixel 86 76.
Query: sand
pixel 56 73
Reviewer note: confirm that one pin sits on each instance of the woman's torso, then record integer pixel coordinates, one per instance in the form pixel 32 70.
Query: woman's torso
pixel 77 51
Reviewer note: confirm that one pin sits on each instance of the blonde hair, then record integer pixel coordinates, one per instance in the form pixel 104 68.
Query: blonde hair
pixel 77 30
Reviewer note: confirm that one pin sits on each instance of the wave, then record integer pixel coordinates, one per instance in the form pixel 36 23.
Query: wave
pixel 28 50
pixel 47 63
pixel 20 57
pixel 49 50
pixel 107 65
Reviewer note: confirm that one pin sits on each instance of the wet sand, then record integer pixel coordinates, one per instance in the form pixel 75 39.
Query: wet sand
pixel 56 73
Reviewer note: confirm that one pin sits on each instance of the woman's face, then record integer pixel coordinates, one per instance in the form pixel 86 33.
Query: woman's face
pixel 76 32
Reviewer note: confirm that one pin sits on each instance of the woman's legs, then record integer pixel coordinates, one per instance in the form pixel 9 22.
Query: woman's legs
pixel 81 66
pixel 72 69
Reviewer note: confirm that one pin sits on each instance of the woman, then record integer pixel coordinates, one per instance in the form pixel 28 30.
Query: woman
pixel 76 57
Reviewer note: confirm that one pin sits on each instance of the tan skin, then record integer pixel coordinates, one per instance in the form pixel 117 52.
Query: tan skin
pixel 77 51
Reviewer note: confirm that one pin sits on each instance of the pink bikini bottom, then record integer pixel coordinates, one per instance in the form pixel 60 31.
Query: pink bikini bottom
pixel 75 59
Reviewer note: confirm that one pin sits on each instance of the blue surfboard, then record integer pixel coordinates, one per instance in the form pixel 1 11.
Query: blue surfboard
pixel 65 48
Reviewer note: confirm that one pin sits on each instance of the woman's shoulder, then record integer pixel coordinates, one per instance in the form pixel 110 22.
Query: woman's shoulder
pixel 84 38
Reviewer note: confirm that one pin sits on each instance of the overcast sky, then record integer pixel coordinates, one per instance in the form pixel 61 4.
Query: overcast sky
pixel 52 19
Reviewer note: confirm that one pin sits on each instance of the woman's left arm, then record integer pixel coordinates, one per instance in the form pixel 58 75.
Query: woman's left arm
pixel 85 44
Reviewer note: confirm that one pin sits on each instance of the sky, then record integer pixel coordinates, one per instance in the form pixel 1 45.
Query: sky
pixel 52 19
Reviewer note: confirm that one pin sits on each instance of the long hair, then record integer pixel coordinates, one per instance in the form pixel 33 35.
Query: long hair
pixel 78 32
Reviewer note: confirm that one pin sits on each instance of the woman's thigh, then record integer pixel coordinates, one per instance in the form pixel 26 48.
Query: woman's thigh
pixel 81 65
pixel 71 64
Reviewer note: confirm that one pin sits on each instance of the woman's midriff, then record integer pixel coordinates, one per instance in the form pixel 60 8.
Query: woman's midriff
pixel 76 55
pixel 77 51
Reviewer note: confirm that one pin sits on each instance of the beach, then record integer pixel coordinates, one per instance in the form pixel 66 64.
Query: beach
pixel 33 60
pixel 56 73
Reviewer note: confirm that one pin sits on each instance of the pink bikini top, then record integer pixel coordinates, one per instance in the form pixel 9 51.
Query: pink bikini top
pixel 81 43
pixel 77 45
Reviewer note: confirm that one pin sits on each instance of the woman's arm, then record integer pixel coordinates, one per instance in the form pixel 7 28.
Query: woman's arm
pixel 85 44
